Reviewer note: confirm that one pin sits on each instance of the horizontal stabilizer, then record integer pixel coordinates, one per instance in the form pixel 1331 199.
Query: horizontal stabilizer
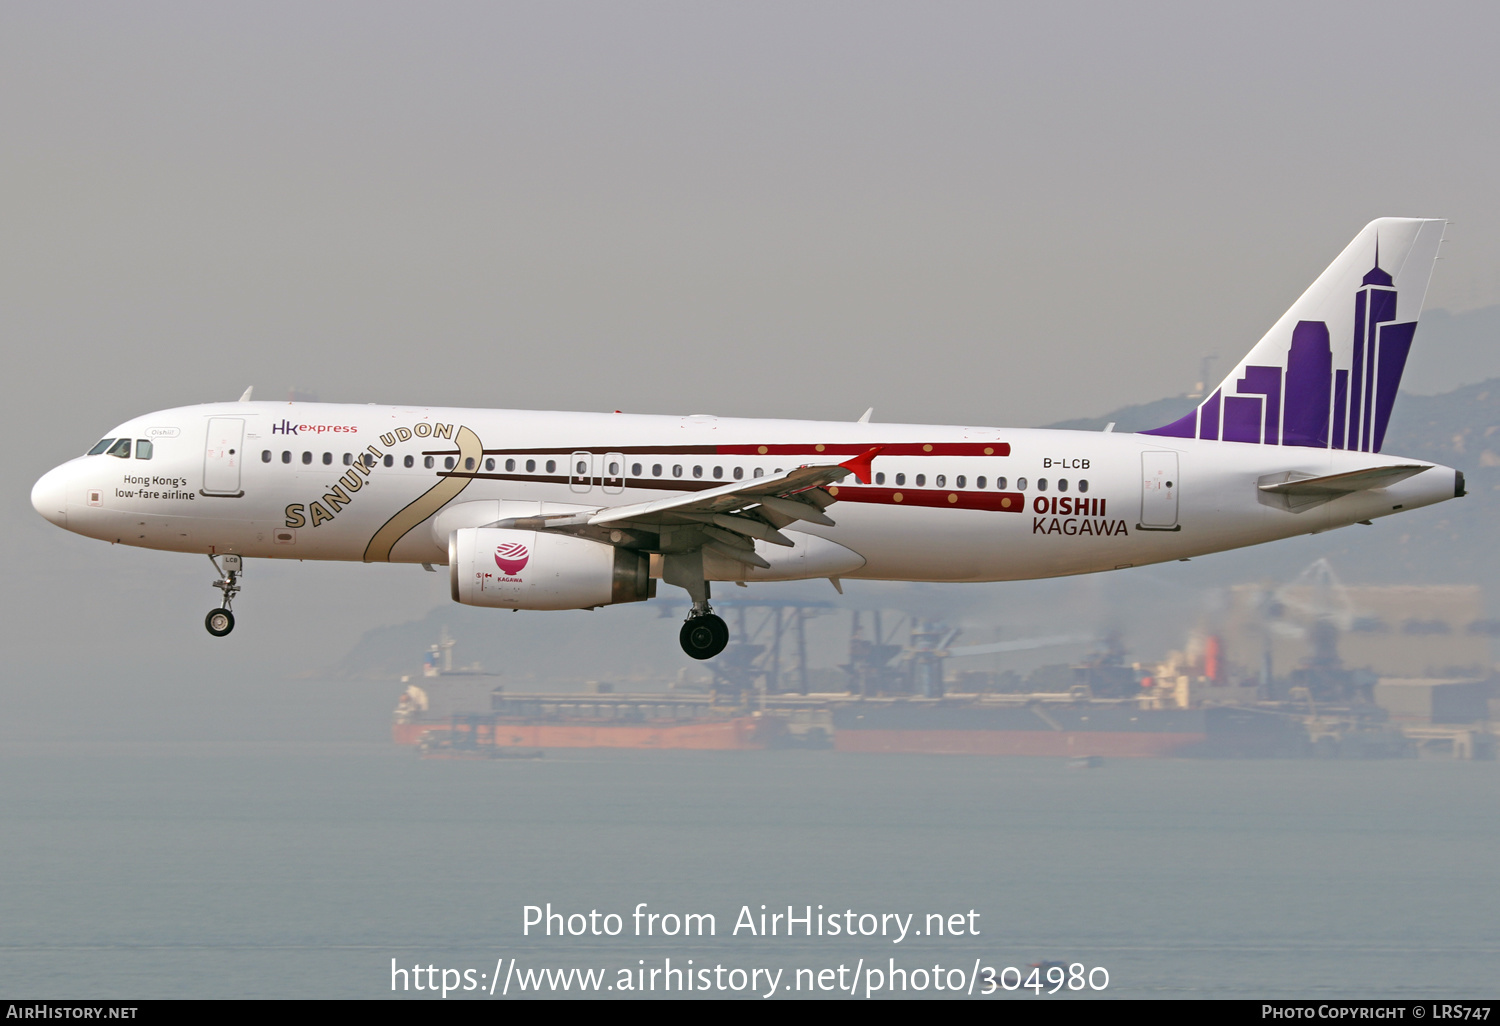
pixel 1342 484
pixel 1297 493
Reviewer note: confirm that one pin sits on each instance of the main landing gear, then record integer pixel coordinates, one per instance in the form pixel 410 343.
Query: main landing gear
pixel 704 635
pixel 221 621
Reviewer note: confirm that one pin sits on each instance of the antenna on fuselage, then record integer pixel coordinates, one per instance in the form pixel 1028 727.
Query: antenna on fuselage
pixel 865 417
pixel 246 397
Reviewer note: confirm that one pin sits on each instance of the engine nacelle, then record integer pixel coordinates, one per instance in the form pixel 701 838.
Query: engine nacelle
pixel 510 569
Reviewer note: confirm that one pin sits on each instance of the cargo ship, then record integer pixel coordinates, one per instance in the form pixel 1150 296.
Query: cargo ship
pixel 456 711
pixel 1057 725
pixel 596 721
pixel 452 709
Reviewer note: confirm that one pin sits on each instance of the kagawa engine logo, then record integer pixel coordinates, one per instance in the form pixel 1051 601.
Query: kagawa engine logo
pixel 511 558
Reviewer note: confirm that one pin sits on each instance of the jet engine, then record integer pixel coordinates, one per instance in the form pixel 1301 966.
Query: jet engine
pixel 511 569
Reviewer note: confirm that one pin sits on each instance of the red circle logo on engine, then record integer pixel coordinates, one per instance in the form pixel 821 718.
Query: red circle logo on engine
pixel 511 557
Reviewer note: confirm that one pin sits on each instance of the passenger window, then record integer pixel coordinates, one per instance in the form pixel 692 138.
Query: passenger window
pixel 979 482
pixel 581 469
pixel 718 473
pixel 739 473
pixel 531 466
pixel 265 454
pixel 921 480
pixel 348 459
pixel 286 456
pixel 120 449
pixel 427 462
pixel 635 470
pixel 1020 484
pixel 510 465
pixel 367 459
pixel 1083 486
pixel 697 471
pixel 468 463
pixel 551 466
pixel 901 479
pixel 880 478
pixel 389 460
pixel 1000 483
pixel 142 449
pixel 1062 484
pixel 942 481
pixel 104 443
pixel 1041 484
pixel 614 470
pixel 759 472
pixel 656 470
pixel 328 459
pixel 410 461
pixel 677 470
pixel 447 462
pixel 489 464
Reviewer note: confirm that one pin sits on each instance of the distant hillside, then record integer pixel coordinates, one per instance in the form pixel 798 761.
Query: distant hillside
pixel 1440 428
pixel 1141 417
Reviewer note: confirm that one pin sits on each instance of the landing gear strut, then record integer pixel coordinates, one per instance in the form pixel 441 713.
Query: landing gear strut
pixel 221 621
pixel 704 635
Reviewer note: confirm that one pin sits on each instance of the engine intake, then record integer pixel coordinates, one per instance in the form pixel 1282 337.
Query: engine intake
pixel 511 569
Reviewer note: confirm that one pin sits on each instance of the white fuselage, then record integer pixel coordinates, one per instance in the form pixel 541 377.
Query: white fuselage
pixel 319 481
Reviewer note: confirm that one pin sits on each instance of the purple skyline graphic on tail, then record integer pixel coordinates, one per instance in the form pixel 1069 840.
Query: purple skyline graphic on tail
pixel 1308 403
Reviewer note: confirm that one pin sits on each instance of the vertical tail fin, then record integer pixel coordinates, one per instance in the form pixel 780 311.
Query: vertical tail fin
pixel 1325 376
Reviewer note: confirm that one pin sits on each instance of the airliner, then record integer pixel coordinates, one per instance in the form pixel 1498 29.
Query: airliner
pixel 544 510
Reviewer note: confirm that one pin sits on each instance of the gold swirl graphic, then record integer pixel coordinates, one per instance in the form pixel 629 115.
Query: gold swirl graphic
pixel 426 504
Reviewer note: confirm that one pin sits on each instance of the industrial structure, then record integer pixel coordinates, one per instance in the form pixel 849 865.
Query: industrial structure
pixel 1308 668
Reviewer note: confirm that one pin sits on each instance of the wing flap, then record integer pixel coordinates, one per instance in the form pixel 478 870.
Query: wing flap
pixel 776 493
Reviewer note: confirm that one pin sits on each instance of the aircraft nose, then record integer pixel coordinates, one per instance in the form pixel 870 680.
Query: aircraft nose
pixel 50 496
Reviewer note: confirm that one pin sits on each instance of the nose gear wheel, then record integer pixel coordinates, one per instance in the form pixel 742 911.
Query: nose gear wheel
pixel 220 622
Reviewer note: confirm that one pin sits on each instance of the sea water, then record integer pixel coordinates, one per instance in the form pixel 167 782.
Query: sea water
pixel 169 869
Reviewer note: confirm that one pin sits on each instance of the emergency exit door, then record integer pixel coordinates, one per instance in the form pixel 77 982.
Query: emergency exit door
pixel 1159 488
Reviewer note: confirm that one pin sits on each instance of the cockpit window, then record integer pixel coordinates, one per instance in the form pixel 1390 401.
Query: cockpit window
pixel 104 443
pixel 142 448
pixel 120 449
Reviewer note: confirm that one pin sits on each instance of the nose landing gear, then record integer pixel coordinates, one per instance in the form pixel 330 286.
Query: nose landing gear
pixel 221 621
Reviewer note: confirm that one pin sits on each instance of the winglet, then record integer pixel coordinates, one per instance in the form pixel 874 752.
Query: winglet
pixel 860 465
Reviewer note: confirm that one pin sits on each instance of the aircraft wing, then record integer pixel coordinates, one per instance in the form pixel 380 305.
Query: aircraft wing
pixel 727 519
pixel 774 492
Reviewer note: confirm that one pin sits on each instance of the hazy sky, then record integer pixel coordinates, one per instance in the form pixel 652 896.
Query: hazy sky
pixel 978 213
